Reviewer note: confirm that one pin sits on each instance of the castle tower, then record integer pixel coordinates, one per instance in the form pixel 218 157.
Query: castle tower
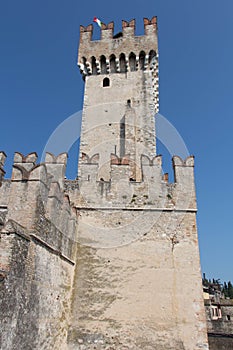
pixel 137 282
pixel 121 94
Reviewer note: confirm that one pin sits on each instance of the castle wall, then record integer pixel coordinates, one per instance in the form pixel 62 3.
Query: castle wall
pixel 34 297
pixel 137 281
pixel 131 293
pixel 37 254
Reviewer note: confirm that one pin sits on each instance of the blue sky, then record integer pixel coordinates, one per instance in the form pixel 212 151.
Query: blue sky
pixel 40 86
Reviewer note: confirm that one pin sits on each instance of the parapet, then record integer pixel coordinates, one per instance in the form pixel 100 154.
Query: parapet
pixel 56 166
pixel 153 191
pixel 112 53
pixel 34 198
pixel 128 28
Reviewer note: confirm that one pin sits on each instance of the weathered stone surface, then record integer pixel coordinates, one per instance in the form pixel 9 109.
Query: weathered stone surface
pixel 37 253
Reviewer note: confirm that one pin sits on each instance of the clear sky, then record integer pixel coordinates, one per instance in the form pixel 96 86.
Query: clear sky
pixel 40 86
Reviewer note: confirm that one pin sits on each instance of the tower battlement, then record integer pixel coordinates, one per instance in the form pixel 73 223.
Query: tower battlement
pixel 121 93
pixel 118 53
pixel 128 28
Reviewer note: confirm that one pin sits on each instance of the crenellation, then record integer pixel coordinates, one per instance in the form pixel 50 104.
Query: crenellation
pixel 107 31
pixel 184 190
pixel 111 45
pixel 38 190
pixel 30 158
pixel 150 26
pixel 47 180
pixel 56 167
pixel 115 160
pixel 153 190
pixel 86 33
pixel 128 28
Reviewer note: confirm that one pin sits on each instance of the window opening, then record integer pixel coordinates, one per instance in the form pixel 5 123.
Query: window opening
pixel 106 82
pixel 152 58
pixel 122 137
pixel 93 66
pixel 132 62
pixel 103 65
pixel 113 68
pixel 142 56
pixel 122 63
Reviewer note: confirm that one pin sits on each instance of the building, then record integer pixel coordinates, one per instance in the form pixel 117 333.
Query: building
pixel 110 260
pixel 219 316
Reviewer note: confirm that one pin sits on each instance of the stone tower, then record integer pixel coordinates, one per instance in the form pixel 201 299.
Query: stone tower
pixel 137 283
pixel 121 95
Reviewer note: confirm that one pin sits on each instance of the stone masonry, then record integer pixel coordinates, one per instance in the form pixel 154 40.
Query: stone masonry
pixel 110 260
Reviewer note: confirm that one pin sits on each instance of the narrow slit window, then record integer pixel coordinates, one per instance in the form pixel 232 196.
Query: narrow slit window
pixel 122 137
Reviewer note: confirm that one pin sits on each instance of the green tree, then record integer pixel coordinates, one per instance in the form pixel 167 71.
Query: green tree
pixel 230 290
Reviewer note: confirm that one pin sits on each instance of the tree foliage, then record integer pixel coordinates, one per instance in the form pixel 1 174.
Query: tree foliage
pixel 226 287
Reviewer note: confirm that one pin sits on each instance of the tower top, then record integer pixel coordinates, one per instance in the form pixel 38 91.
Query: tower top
pixel 128 28
pixel 114 46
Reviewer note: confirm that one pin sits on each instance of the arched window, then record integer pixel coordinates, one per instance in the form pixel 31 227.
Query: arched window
pixel 84 66
pixel 113 68
pixel 93 65
pixel 142 56
pixel 106 82
pixel 152 58
pixel 122 63
pixel 132 62
pixel 103 65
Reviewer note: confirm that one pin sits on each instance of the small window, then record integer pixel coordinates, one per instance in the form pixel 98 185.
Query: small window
pixel 106 82
pixel 216 312
pixel 228 317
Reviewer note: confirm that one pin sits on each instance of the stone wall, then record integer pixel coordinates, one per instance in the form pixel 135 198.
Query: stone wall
pixel 137 280
pixel 37 250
